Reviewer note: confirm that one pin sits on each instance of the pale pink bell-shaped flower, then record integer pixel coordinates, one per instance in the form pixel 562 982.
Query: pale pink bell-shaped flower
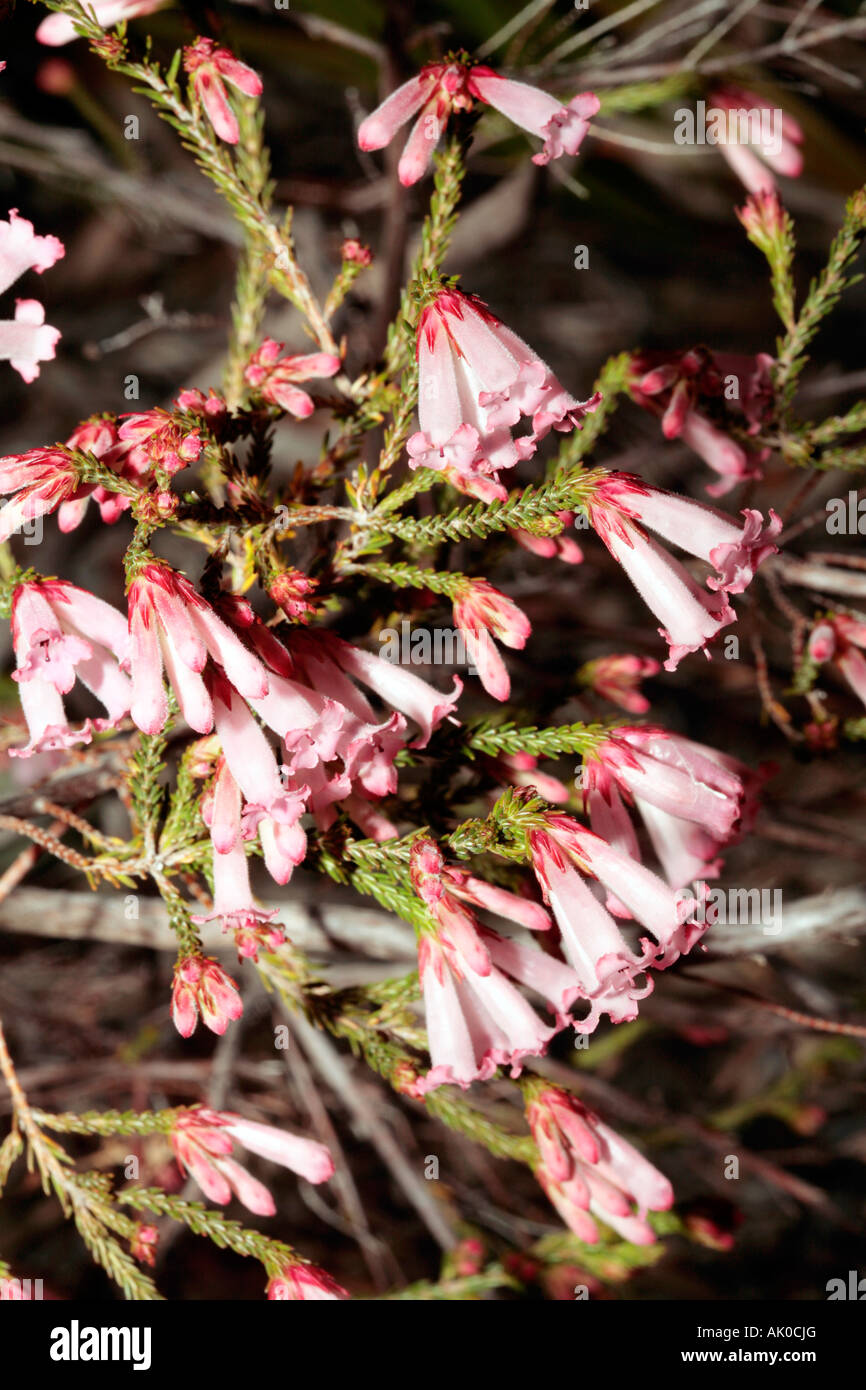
pixel 561 127
pixel 26 340
pixel 336 750
pixel 735 550
pixel 211 67
pixel 608 969
pixel 62 634
pixel 202 988
pixel 481 612
pixel 592 943
pixel 587 1169
pixel 755 170
pixel 230 825
pixel 275 378
pixel 477 1020
pixel 233 902
pixel 296 1282
pixel 442 88
pixel 632 890
pixel 330 661
pixel 59 29
pixel 39 481
pixel 172 626
pixel 203 1142
pixel 476 381
pixel 251 768
pixel 689 802
pixel 234 906
pixel 623 504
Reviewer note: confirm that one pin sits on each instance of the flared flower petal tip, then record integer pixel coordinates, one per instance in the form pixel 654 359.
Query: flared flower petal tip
pixel 737 561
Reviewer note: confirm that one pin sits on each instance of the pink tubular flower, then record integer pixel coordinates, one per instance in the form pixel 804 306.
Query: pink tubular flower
pixel 476 1019
pixel 234 906
pixel 233 902
pixel 316 731
pixel 692 615
pixel 337 748
pixel 430 874
pixel 203 1142
pixel 98 437
pixel 777 148
pixel 332 665
pixel 60 634
pixel 618 679
pixel 210 67
pixel 304 1282
pixel 41 480
pixel 562 128
pixel 252 766
pixel 477 381
pixel 842 639
pixel 585 1166
pixel 59 29
pixel 590 938
pixel 480 610
pixel 699 396
pixel 202 987
pixel 691 803
pixel 171 625
pixel 27 340
pixel 274 377
pixel 441 88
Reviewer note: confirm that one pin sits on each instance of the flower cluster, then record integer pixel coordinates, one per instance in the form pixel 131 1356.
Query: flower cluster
pixel 455 85
pixel 700 396
pixel 285 744
pixel 477 382
pixel 619 509
pixel 692 800
pixel 203 1142
pixel 210 68
pixel 589 1171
